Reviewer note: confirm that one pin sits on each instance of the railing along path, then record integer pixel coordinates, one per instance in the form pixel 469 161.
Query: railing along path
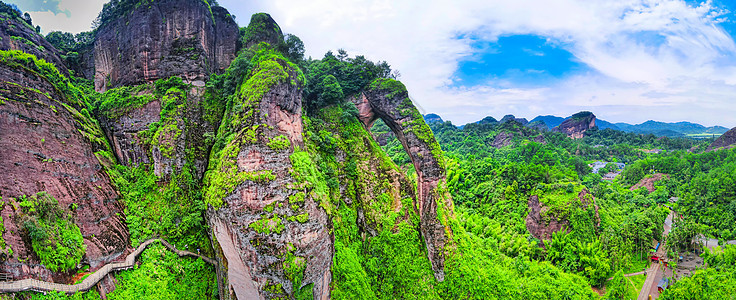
pixel 94 278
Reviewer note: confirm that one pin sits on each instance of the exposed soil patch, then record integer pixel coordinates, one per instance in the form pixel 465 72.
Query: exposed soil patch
pixel 648 182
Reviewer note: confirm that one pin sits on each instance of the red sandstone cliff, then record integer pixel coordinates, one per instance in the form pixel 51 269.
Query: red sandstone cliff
pixel 169 37
pixel 47 143
pixel 576 126
pixel 727 141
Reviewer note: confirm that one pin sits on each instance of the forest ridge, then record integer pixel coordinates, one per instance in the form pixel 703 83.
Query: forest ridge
pixel 313 178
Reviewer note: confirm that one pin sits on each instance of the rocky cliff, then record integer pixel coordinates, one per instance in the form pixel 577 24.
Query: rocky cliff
pixel 162 39
pixel 268 226
pixel 542 221
pixel 17 34
pixel 576 126
pixel 163 126
pixel 188 39
pixel 290 201
pixel 159 116
pixel 727 140
pixel 48 143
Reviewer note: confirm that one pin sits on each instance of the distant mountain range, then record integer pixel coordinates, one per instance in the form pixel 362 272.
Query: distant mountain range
pixel 678 129
pixel 668 129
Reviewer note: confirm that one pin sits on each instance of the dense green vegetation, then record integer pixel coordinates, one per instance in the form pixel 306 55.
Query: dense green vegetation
pixel 167 205
pixel 54 237
pixel 478 269
pixel 705 184
pixel 164 275
pixel 334 78
pixel 173 209
pixel 482 179
pixel 161 274
pixel 359 265
pixel 607 229
pixel 490 188
pixel 718 281
pixel 608 145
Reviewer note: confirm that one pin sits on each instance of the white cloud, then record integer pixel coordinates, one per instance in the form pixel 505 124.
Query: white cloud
pixel 687 72
pixel 80 17
pixel 690 75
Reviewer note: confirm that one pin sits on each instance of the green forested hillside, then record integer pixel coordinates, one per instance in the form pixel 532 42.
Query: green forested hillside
pixel 491 186
pixel 494 254
pixel 528 218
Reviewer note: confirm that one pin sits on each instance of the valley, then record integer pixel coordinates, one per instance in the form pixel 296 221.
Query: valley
pixel 172 153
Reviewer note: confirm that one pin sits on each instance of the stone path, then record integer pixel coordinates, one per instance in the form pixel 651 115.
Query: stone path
pixel 92 279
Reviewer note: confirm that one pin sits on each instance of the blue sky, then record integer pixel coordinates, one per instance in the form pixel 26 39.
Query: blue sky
pixel 625 60
pixel 516 60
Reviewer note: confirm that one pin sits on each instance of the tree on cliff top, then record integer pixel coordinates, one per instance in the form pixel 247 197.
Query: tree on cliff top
pixel 262 28
pixel 352 75
pixel 581 115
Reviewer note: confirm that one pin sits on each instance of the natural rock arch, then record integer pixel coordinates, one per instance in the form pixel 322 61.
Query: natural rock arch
pixel 388 100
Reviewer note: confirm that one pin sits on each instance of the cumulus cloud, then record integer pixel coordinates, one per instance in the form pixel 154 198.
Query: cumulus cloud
pixel 651 59
pixel 668 60
pixel 61 15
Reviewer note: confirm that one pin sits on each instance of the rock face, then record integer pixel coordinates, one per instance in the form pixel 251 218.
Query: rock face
pixel 541 225
pixel 389 100
pixel 727 141
pixel 83 65
pixel 271 219
pixel 502 139
pixel 16 34
pixel 166 38
pixel 162 39
pixel 169 150
pixel 123 133
pixel 48 143
pixel 576 126
pixel 509 131
pixel 271 231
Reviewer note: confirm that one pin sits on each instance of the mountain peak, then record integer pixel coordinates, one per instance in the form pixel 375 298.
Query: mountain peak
pixel 433 118
pixel 576 126
pixel 727 140
pixel 507 118
pixel 262 28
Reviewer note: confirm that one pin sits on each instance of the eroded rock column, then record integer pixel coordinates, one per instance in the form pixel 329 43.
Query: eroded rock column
pixel 267 224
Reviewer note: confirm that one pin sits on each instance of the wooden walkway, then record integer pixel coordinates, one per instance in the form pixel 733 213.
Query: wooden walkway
pixel 92 279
